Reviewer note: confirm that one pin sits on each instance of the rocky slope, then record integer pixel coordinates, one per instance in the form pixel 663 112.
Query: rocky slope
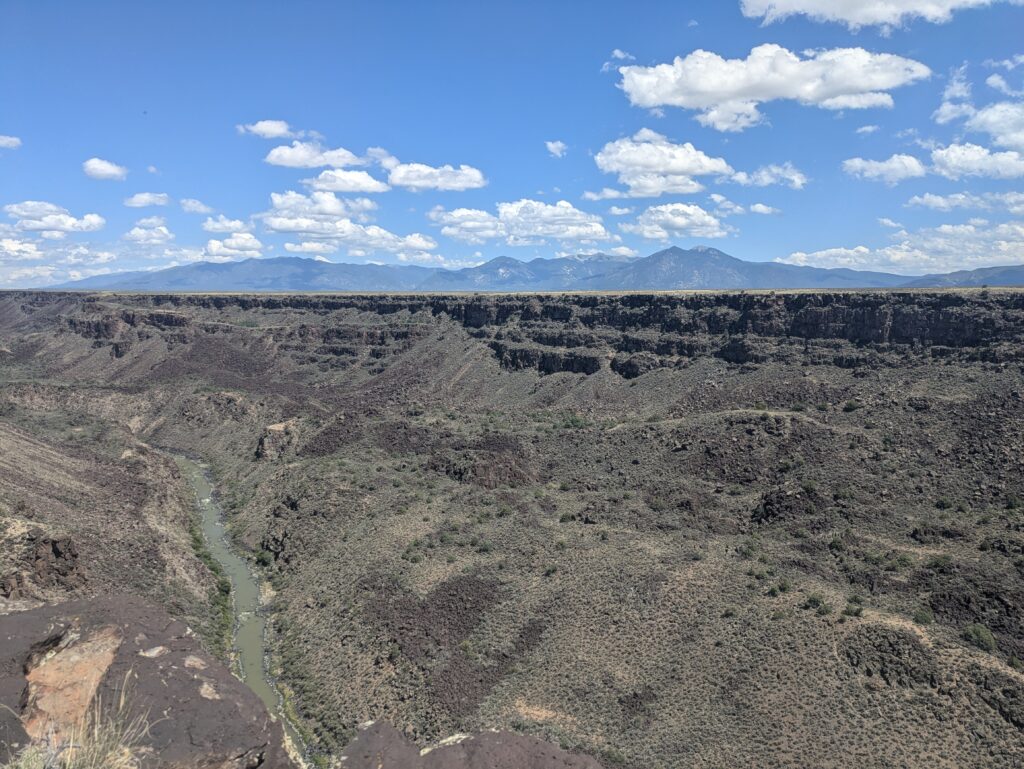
pixel 772 529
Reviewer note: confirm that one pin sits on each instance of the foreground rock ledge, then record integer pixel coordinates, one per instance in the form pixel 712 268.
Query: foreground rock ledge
pixel 380 746
pixel 57 661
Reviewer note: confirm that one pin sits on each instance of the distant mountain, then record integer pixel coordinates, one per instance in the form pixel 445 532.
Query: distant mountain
pixel 671 269
pixel 1012 275
pixel 709 268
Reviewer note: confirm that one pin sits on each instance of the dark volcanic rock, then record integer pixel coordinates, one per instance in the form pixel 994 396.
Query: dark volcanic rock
pixel 57 661
pixel 380 746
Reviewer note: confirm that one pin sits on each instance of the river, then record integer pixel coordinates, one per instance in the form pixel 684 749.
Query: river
pixel 249 643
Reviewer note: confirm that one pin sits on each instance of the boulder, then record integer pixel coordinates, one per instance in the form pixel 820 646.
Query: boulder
pixel 60 663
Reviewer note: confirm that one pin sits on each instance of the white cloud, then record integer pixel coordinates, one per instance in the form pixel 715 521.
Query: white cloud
pixel 725 207
pixel 9 142
pixel 16 250
pixel 323 216
pixel 959 160
pixel 650 165
pixel 97 168
pixel 619 211
pixel 241 245
pixel 39 275
pixel 522 222
pixel 761 208
pixel 311 155
pixel 949 111
pixel 470 225
pixel 676 220
pixel 766 176
pixel 268 129
pixel 892 171
pixel 143 199
pixel 223 224
pixel 727 93
pixel 50 220
pixel 999 83
pixel 861 13
pixel 557 148
pixel 152 170
pixel 151 231
pixel 1003 121
pixel 944 248
pixel 885 221
pixel 1011 201
pixel 325 204
pixel 865 130
pixel 193 206
pixel 617 57
pixel 417 176
pixel 334 180
pixel 311 247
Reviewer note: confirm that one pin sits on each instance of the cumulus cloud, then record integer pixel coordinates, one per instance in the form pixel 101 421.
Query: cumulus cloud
pixel 786 174
pixel 651 165
pixel 955 98
pixel 223 224
pixel 268 129
pixel 892 171
pixel 241 245
pixel 765 210
pixel 858 13
pixel 9 142
pixel 557 148
pixel 311 247
pixel 522 222
pixel 470 225
pixel 944 248
pixel 999 83
pixel 1010 201
pixel 866 130
pixel 728 92
pixel 324 217
pixel 193 206
pixel 50 220
pixel 97 168
pixel 619 211
pixel 676 220
pixel 725 207
pixel 16 250
pixel 960 160
pixel 151 231
pixel 311 155
pixel 334 180
pixel 144 199
pixel 1003 121
pixel 418 176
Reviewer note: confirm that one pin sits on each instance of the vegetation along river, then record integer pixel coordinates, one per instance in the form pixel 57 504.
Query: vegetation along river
pixel 249 642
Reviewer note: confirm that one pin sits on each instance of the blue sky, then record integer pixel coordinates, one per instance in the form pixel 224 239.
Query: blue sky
pixel 824 132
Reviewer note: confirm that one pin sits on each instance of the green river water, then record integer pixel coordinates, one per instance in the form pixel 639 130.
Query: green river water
pixel 249 642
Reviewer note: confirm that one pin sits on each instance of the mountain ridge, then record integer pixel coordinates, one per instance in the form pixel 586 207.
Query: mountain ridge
pixel 672 268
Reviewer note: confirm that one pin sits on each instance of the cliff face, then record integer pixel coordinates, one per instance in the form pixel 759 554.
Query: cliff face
pixel 580 333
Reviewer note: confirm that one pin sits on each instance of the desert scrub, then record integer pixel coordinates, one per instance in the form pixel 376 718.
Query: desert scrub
pixel 104 739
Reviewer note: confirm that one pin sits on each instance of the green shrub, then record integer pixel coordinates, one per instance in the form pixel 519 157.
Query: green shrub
pixel 924 616
pixel 978 635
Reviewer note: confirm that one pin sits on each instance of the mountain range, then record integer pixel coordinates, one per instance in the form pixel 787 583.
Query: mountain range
pixel 670 269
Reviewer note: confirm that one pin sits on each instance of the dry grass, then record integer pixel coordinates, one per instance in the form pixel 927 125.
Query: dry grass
pixel 107 738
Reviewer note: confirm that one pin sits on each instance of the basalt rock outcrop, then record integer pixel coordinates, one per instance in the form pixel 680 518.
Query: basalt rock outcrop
pixel 60 663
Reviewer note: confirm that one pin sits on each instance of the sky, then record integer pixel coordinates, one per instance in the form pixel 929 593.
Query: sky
pixel 835 133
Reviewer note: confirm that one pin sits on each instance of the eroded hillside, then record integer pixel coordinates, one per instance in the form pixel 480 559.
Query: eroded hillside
pixel 665 530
